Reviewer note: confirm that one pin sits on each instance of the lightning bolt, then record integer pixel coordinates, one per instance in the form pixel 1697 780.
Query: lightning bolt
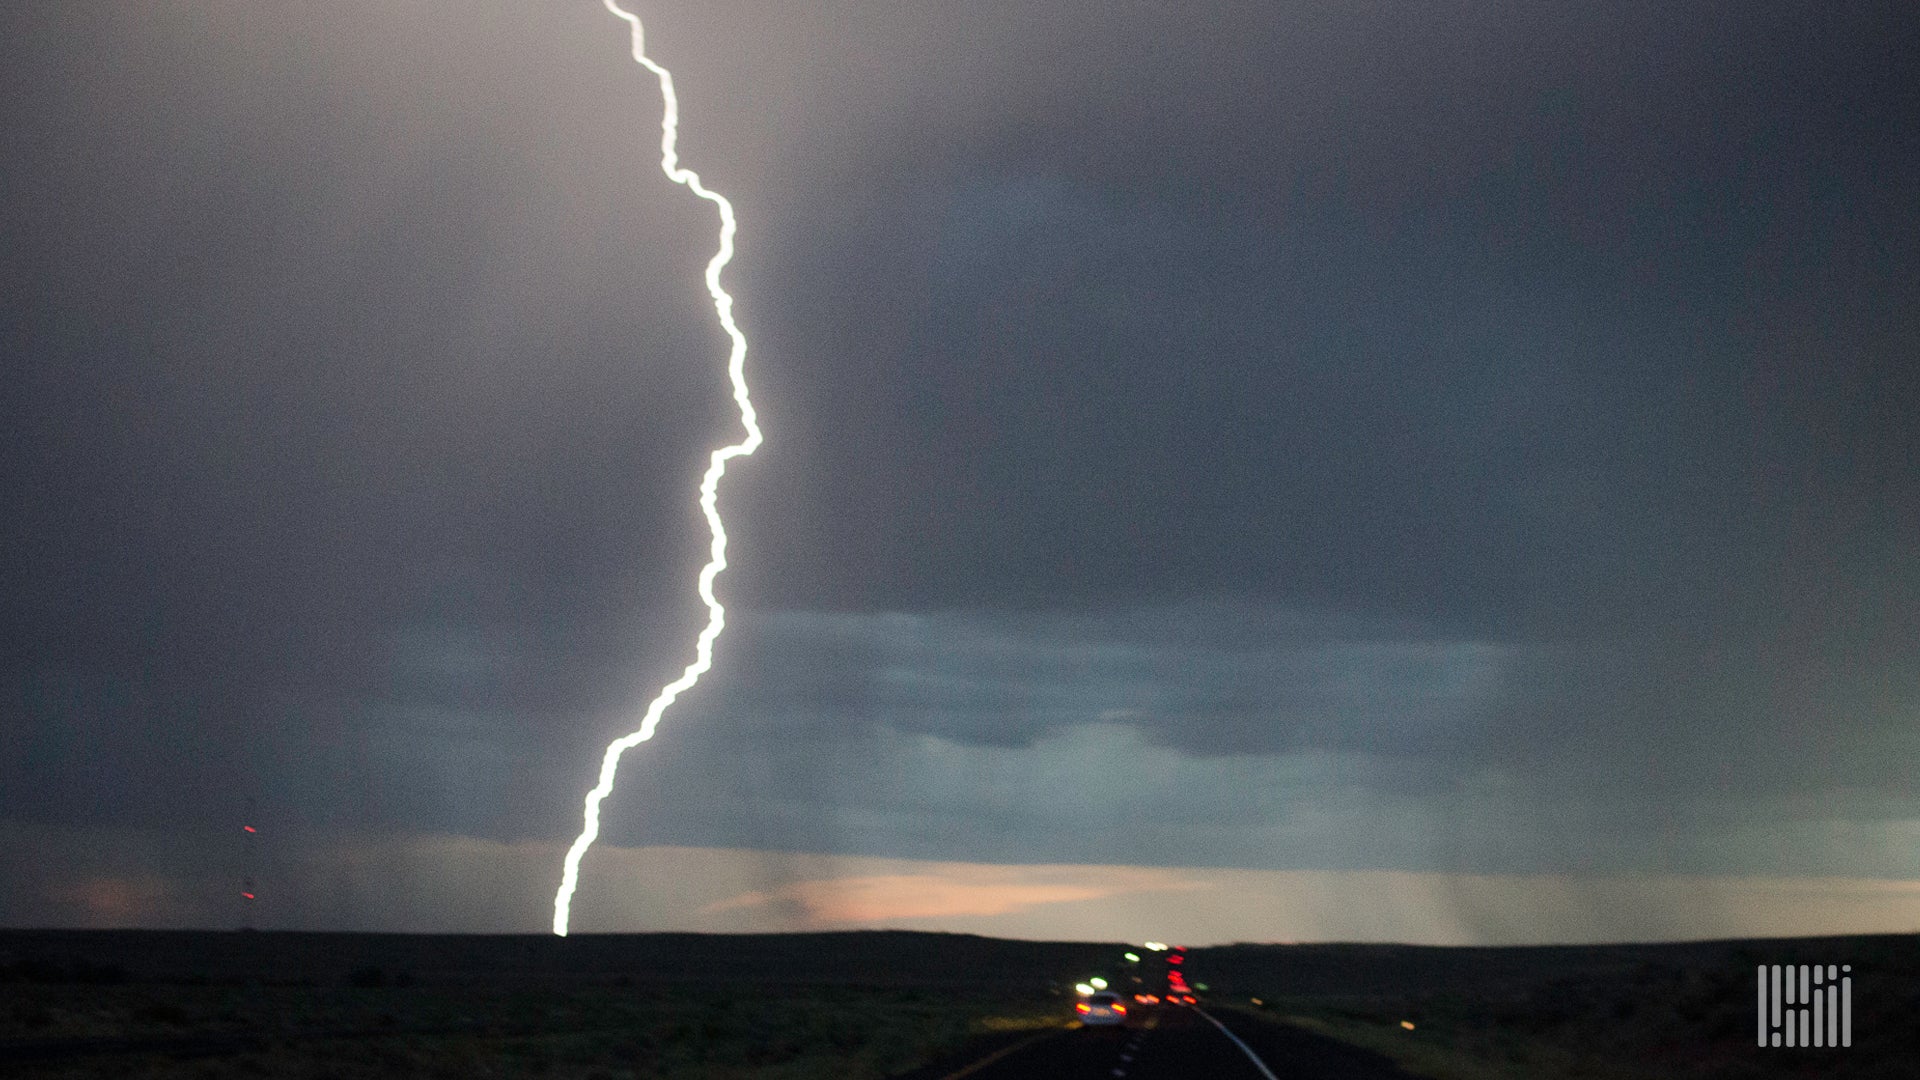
pixel 709 485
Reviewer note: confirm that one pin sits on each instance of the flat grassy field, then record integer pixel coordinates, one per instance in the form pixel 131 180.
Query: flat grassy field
pixel 1620 1012
pixel 594 1033
pixel 849 1007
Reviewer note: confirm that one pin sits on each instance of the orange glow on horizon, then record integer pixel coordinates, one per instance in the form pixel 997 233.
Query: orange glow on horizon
pixel 941 891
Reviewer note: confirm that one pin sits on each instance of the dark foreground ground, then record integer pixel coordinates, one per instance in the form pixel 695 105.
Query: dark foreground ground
pixel 866 1006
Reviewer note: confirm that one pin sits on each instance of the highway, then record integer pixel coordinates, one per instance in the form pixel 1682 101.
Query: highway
pixel 1174 1043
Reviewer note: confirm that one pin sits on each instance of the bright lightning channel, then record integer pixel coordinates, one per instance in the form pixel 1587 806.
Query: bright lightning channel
pixel 709 485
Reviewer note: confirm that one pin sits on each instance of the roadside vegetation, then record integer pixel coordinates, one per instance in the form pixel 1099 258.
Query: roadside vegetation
pixel 1680 1012
pixel 610 1032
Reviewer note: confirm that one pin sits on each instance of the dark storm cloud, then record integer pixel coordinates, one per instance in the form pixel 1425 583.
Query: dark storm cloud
pixel 1208 679
pixel 878 740
pixel 1584 335
pixel 300 365
pixel 1381 401
pixel 1477 314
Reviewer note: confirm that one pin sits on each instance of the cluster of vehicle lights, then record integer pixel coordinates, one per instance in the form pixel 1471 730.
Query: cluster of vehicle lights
pixel 1177 988
pixel 1178 992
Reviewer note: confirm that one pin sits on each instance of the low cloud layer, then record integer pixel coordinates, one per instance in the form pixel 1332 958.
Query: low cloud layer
pixel 456 884
pixel 1206 733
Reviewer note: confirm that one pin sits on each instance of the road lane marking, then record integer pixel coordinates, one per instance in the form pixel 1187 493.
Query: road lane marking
pixel 996 1056
pixel 1244 1048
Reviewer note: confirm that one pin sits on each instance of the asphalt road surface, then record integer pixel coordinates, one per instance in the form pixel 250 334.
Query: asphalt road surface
pixel 1177 1043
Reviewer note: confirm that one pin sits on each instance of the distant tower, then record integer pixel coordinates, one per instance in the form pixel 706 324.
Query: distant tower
pixel 249 836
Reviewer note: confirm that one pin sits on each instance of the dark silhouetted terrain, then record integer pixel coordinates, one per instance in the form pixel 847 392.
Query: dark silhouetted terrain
pixel 878 1004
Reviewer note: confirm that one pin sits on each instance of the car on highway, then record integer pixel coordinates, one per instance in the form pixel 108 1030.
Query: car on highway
pixel 1101 1008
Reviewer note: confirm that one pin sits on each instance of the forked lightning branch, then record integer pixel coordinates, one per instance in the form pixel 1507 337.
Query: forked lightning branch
pixel 709 485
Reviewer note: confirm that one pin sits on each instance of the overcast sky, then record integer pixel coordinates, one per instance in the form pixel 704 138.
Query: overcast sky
pixel 1332 438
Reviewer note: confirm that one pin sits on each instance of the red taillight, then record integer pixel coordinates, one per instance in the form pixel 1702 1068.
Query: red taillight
pixel 1119 1008
pixel 1084 1007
